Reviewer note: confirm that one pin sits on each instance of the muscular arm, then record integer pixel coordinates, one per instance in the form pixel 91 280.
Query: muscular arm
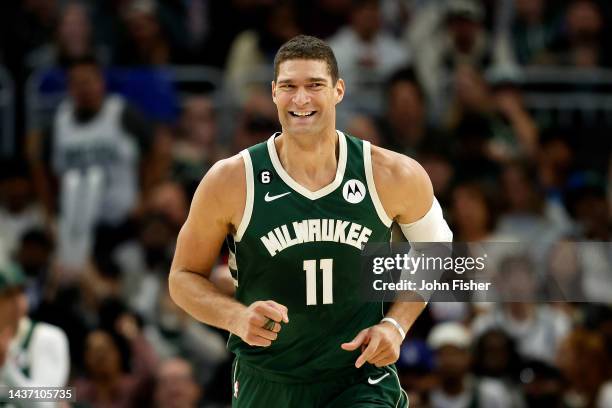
pixel 404 205
pixel 406 194
pixel 216 209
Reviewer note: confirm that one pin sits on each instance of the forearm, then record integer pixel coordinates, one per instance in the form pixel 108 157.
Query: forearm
pixel 204 301
pixel 406 313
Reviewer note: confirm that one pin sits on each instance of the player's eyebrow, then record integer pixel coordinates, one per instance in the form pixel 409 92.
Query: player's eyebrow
pixel 313 79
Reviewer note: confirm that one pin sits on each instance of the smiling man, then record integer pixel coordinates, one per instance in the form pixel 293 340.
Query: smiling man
pixel 298 209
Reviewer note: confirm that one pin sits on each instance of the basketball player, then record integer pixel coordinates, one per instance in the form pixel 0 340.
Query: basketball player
pixel 299 207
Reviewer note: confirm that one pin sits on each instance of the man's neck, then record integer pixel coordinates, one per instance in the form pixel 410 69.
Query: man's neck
pixel 309 160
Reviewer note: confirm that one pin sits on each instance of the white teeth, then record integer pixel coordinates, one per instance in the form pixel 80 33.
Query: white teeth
pixel 302 113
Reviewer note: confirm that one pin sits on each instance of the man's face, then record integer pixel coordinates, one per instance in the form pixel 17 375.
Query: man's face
pixel 306 97
pixel 86 87
pixel 176 386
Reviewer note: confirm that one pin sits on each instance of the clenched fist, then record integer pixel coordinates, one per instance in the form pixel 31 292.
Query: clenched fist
pixel 259 324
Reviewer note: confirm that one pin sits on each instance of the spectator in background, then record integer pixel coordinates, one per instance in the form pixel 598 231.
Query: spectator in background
pixel 585 200
pixel 19 210
pixel 73 39
pixel 258 121
pixel 197 146
pixel 94 152
pixel 144 40
pixel 252 52
pixel 404 123
pixel 456 387
pixel 37 353
pixel 535 27
pixel 176 386
pixel 173 333
pixel 542 385
pixel 509 131
pixel 496 357
pixel 364 126
pixel 585 363
pixel 145 261
pixel 120 363
pixel 366 55
pixel 461 40
pixel 474 214
pixel 34 255
pixel 537 329
pixel 582 44
pixel 528 215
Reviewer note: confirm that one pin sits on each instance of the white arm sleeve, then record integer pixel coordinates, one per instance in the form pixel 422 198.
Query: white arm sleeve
pixel 430 228
pixel 50 360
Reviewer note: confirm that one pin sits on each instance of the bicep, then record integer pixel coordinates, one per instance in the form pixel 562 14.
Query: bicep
pixel 210 220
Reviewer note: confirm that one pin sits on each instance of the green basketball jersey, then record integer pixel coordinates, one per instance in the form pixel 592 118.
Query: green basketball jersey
pixel 302 249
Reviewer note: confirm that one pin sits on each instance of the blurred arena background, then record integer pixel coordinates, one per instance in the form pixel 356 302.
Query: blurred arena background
pixel 506 103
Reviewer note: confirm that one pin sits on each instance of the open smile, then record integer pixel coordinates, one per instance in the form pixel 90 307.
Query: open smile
pixel 302 114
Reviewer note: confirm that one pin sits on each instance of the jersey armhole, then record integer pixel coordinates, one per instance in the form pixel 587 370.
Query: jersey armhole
pixel 367 161
pixel 250 192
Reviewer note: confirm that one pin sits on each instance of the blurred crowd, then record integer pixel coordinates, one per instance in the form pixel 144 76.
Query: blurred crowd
pixel 92 199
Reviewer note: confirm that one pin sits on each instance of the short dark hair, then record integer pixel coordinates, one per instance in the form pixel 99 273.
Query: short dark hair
pixel 308 48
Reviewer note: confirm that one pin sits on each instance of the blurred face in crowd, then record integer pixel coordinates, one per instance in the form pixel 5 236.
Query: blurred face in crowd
pixel 142 25
pixel 87 88
pixel 15 194
pixel 282 23
pixel 74 31
pixel 198 121
pixel 470 210
pixel 366 20
pixel 584 20
pixel 520 192
pixel 102 357
pixel 530 11
pixel 495 353
pixel 516 280
pixel 405 104
pixel 464 32
pixel 363 126
pixel 452 362
pixel 563 265
pixel 306 97
pixel 584 361
pixel 176 387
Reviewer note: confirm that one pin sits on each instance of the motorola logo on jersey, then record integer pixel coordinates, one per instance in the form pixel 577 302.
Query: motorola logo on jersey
pixel 354 191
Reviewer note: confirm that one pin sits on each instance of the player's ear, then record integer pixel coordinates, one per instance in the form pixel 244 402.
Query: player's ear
pixel 274 91
pixel 339 90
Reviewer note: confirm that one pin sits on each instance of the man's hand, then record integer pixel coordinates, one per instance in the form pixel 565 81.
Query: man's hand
pixel 250 326
pixel 380 345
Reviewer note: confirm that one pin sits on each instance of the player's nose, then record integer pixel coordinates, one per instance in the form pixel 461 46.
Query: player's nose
pixel 301 97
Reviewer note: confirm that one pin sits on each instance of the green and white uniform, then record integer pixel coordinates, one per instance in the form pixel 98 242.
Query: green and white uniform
pixel 302 249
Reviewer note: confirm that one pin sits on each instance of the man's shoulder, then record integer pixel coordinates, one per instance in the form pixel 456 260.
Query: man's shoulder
pixel 392 167
pixel 228 171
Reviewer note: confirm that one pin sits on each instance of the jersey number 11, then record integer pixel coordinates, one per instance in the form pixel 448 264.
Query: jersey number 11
pixel 310 267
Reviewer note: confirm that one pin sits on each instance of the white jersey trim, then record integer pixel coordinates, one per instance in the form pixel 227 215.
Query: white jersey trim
pixel 367 163
pixel 250 193
pixel 312 195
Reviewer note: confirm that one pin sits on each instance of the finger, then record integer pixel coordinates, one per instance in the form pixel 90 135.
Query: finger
pixel 356 342
pixel 381 360
pixel 259 341
pixel 269 311
pixel 266 334
pixel 281 308
pixel 381 352
pixel 368 352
